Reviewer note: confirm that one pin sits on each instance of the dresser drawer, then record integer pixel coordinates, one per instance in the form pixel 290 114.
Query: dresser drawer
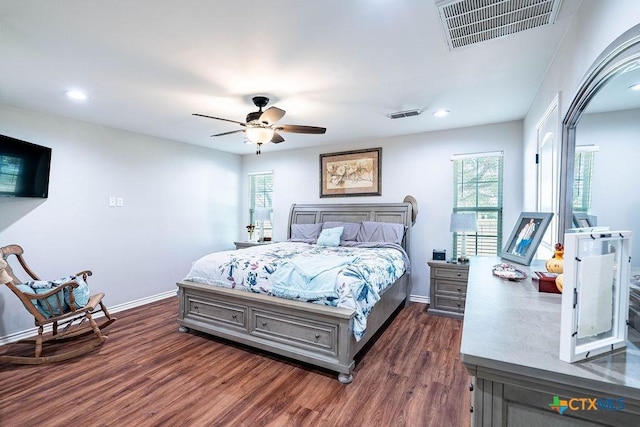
pixel 445 302
pixel 218 311
pixel 449 273
pixel 452 287
pixel 295 331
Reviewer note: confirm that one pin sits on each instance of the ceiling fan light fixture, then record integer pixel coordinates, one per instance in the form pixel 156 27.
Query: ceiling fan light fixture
pixel 259 134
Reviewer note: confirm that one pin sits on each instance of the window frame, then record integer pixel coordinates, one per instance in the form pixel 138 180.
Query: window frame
pixel 476 238
pixel 266 201
pixel 584 164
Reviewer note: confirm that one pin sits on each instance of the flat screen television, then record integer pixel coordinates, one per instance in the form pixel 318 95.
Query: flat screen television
pixel 24 168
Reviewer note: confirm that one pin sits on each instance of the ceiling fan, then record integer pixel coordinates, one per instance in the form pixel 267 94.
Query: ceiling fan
pixel 260 126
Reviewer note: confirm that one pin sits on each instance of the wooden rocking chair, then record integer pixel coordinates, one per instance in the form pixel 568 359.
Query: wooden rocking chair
pixel 66 319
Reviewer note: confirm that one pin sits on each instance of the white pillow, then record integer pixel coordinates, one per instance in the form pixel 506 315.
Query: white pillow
pixel 330 236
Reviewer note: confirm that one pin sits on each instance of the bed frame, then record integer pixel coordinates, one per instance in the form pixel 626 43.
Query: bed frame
pixel 310 333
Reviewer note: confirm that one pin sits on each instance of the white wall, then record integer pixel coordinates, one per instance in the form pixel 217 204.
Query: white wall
pixel 596 25
pixel 180 202
pixel 417 165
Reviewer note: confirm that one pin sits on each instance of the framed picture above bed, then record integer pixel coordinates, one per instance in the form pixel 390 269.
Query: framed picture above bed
pixel 526 236
pixel 351 173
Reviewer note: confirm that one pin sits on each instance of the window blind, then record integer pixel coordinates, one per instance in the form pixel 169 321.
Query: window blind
pixel 478 184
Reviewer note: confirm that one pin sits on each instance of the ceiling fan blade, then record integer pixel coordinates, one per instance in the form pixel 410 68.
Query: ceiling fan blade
pixel 228 133
pixel 301 129
pixel 277 138
pixel 272 115
pixel 219 118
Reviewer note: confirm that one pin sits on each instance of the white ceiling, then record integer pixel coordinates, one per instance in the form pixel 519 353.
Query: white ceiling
pixel 148 65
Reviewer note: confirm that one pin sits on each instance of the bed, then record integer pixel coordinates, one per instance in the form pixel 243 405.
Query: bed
pixel 315 333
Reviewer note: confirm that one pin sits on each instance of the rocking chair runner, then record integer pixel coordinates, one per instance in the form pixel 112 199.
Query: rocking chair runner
pixel 73 320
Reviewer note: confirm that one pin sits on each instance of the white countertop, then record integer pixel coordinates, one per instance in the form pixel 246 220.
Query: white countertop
pixel 511 327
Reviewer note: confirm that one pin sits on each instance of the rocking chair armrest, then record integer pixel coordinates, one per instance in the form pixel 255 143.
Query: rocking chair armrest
pixel 84 274
pixel 60 288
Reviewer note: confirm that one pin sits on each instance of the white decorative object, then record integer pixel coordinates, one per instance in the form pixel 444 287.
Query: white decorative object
pixel 595 295
pixel 463 222
pixel 261 215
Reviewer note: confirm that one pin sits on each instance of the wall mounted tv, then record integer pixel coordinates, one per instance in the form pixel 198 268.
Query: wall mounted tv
pixel 24 168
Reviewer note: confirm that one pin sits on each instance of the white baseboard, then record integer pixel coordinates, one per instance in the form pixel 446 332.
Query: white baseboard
pixel 419 298
pixel 17 336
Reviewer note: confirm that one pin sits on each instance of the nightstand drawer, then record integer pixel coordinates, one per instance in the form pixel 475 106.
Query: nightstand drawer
pixel 449 303
pixel 451 286
pixel 449 273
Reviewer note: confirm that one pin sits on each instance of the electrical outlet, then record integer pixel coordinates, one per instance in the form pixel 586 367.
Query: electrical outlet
pixel 120 202
pixel 112 201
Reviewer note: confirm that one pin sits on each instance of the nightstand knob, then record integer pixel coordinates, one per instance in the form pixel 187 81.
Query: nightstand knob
pixel 459 274
pixel 459 289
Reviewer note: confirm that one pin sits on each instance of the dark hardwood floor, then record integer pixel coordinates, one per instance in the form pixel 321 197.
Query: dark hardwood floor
pixel 149 374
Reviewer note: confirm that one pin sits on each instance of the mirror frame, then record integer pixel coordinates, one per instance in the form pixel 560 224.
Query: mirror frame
pixel 614 60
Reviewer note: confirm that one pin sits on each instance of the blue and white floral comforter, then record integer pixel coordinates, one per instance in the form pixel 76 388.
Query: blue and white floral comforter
pixel 358 281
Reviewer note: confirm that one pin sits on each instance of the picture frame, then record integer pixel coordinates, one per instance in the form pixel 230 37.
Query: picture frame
pixel 526 236
pixel 595 294
pixel 351 173
pixel 581 220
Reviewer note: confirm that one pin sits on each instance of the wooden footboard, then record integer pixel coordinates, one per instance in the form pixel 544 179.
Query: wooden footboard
pixel 310 333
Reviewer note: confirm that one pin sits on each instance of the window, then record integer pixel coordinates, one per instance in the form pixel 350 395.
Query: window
pixel 477 187
pixel 583 167
pixel 261 196
pixel 9 173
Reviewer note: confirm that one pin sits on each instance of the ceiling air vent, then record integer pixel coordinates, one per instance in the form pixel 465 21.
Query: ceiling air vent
pixel 401 114
pixel 473 21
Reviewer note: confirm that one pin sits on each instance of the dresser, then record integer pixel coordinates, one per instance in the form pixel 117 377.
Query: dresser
pixel 448 285
pixel 511 346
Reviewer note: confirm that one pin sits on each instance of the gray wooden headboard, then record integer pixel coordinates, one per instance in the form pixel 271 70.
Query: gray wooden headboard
pixel 399 213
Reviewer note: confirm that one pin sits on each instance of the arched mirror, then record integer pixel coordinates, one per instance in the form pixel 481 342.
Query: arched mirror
pixel 600 166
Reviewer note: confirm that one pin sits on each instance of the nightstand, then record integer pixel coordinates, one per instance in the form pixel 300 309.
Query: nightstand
pixel 448 288
pixel 248 244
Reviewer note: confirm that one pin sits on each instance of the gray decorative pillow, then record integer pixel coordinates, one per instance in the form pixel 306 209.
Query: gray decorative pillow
pixel 381 232
pixel 305 231
pixel 350 229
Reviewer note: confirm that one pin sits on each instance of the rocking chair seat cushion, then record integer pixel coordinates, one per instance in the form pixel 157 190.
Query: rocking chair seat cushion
pixel 80 294
pixel 29 290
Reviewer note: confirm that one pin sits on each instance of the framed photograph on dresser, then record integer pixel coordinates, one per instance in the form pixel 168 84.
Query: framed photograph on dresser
pixel 526 236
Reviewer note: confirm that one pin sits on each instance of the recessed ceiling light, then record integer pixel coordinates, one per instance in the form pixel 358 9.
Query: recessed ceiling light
pixel 635 86
pixel 441 113
pixel 77 95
